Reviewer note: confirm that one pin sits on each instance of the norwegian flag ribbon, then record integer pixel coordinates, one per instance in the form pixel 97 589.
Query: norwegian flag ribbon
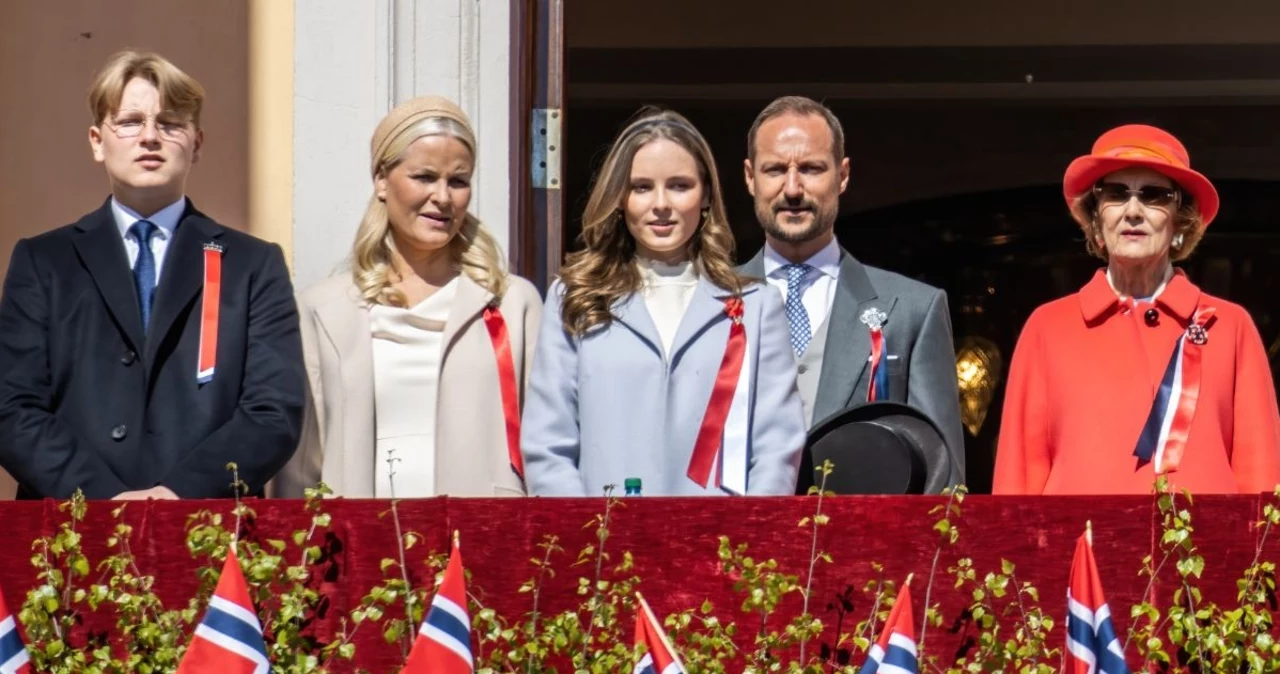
pixel 659 656
pixel 1164 436
pixel 14 658
pixel 878 388
pixel 1092 645
pixel 895 651
pixel 443 645
pixel 212 296
pixel 229 638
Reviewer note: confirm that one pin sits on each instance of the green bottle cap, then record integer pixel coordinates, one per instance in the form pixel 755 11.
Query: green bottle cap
pixel 631 483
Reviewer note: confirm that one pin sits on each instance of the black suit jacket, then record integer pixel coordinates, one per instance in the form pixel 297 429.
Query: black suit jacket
pixel 88 402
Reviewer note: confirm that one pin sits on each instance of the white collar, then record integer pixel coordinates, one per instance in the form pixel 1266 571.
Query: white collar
pixel 826 260
pixel 166 219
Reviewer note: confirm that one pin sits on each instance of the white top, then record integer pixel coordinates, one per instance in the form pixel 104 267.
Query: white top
pixel 668 289
pixel 165 220
pixel 407 348
pixel 818 287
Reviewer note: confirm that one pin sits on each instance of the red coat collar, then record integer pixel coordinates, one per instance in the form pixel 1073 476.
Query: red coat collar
pixel 1179 298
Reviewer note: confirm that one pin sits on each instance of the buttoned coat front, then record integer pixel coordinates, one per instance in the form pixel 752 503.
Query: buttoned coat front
pixel 609 406
pixel 1082 382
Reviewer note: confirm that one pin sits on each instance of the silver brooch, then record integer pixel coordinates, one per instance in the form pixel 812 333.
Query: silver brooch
pixel 874 318
pixel 1196 334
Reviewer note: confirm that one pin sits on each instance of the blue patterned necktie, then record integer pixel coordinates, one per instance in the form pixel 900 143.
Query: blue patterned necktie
pixel 796 314
pixel 144 270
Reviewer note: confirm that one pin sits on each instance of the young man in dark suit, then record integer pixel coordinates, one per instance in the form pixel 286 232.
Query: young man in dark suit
pixel 145 346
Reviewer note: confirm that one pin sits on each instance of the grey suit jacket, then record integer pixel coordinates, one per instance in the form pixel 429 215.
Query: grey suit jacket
pixel 918 333
pixel 608 406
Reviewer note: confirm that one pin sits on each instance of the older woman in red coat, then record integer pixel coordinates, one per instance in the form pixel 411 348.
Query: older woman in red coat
pixel 1140 374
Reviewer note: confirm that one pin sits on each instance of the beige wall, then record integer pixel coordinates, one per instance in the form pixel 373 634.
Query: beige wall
pixel 48 56
pixel 868 23
pixel 49 52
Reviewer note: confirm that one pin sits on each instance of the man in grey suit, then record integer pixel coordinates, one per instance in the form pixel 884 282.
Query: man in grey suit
pixel 796 171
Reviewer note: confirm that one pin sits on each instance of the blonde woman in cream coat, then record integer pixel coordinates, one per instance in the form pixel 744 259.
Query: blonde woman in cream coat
pixel 417 357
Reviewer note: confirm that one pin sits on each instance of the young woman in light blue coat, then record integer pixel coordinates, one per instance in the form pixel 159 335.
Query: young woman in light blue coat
pixel 655 360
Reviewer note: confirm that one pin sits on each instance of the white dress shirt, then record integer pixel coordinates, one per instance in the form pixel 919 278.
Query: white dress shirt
pixel 819 286
pixel 165 220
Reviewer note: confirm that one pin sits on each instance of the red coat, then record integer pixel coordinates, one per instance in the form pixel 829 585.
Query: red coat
pixel 1081 385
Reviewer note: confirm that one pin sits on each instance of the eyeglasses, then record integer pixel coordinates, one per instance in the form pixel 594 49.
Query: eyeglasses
pixel 1155 196
pixel 169 124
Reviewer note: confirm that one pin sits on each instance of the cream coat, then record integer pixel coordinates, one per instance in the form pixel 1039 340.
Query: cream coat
pixel 337 443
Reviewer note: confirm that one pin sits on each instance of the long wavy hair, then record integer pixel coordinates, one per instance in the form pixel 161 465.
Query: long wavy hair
pixel 473 249
pixel 605 271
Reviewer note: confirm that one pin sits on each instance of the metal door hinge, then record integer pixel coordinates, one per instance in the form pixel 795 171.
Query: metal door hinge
pixel 546 148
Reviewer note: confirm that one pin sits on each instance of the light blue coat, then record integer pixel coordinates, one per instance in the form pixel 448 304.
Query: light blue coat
pixel 608 406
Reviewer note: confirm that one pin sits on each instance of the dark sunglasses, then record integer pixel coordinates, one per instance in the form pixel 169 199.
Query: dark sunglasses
pixel 1110 194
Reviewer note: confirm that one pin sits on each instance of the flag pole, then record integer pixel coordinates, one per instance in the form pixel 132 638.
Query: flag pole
pixel 662 634
pixel 1088 532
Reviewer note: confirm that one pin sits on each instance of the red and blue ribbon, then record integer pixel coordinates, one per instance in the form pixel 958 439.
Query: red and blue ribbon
pixel 1164 436
pixel 879 387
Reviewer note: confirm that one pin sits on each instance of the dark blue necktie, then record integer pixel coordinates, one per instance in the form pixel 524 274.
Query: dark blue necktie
pixel 144 270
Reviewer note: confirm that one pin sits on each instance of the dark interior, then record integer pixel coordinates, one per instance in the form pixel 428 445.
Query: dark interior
pixel 962 190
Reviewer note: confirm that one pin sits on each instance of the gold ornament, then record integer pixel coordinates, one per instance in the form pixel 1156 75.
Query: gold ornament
pixel 979 367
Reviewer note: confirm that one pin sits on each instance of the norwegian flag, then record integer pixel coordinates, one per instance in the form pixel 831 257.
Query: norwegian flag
pixel 1092 646
pixel 443 645
pixel 895 651
pixel 13 654
pixel 659 656
pixel 229 639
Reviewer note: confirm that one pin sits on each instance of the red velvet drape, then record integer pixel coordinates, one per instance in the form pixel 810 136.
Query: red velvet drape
pixel 674 543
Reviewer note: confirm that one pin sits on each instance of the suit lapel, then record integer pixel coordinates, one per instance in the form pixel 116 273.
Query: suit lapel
pixel 101 249
pixel 754 267
pixel 344 320
pixel 182 275
pixel 468 303
pixel 847 352
pixel 632 314
pixel 706 307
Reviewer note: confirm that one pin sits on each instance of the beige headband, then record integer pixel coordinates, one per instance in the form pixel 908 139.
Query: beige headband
pixel 406 115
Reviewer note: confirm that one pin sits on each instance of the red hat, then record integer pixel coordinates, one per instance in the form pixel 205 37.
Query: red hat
pixel 1140 145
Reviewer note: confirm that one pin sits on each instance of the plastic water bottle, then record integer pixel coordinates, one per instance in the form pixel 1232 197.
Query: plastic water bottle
pixel 631 486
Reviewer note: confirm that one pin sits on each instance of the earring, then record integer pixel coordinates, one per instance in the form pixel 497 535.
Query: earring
pixel 1177 240
pixel 705 212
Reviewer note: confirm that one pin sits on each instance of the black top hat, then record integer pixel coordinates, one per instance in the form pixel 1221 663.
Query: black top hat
pixel 876 448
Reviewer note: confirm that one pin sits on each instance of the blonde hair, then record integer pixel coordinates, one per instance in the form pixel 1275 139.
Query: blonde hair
pixel 605 270
pixel 474 250
pixel 1187 222
pixel 179 92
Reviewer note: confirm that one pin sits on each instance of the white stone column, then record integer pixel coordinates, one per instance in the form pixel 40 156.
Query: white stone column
pixel 354 61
